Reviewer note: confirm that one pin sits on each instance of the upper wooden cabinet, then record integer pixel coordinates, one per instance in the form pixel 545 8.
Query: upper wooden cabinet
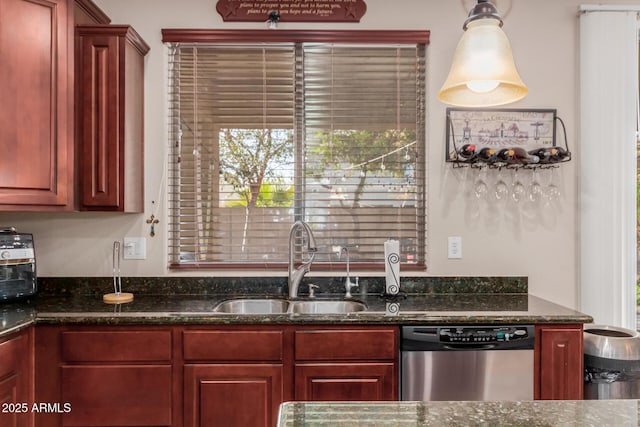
pixel 36 113
pixel 110 83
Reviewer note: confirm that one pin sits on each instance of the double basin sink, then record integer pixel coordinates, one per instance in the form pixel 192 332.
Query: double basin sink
pixel 281 306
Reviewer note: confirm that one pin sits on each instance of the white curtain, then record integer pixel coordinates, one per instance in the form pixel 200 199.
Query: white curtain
pixel 608 97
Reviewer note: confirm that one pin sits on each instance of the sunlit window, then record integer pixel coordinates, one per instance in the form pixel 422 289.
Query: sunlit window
pixel 266 134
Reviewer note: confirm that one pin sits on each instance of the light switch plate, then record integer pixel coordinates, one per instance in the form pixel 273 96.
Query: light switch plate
pixel 135 248
pixel 454 249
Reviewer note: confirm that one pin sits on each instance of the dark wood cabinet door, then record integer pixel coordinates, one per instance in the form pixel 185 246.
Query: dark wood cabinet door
pixel 16 379
pixel 36 113
pixel 110 85
pixel 117 395
pixel 560 364
pixel 99 138
pixel 232 395
pixel 349 381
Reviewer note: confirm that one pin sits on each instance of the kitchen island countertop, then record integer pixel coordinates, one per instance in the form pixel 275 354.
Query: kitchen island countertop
pixel 578 413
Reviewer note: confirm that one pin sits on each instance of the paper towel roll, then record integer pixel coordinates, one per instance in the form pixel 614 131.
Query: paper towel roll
pixel 392 266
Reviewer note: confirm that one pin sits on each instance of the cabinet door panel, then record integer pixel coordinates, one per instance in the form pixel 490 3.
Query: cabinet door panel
pixel 16 376
pixel 232 395
pixel 36 141
pixel 345 381
pixel 9 394
pixel 100 142
pixel 122 395
pixel 111 132
pixel 561 363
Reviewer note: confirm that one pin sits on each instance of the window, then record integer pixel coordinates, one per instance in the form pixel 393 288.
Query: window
pixel 265 133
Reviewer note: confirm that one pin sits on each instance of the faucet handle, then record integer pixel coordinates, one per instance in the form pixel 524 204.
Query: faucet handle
pixel 312 289
pixel 348 284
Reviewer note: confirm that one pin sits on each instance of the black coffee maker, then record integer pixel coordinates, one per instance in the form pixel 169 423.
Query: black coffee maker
pixel 17 265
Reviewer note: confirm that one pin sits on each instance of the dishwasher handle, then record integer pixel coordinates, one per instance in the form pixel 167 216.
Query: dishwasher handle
pixel 449 346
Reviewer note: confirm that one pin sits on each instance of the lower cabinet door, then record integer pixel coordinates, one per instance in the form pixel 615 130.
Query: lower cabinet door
pixel 345 381
pixel 561 359
pixel 117 395
pixel 232 395
pixel 16 377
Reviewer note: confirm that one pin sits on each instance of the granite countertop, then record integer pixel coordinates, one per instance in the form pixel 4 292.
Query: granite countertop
pixel 166 303
pixel 578 413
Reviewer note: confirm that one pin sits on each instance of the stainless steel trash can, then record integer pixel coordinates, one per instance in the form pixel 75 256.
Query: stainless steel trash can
pixel 611 363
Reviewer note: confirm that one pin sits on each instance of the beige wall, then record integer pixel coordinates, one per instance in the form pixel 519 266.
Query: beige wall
pixel 536 240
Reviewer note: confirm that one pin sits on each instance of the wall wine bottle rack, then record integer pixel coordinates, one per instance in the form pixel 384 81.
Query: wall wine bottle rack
pixel 505 138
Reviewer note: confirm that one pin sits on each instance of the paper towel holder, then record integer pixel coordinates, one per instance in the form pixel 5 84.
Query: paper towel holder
pixel 392 267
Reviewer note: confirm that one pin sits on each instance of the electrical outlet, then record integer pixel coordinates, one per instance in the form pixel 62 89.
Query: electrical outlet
pixel 135 248
pixel 454 250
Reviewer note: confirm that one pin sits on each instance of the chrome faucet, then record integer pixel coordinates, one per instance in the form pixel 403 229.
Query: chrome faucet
pixel 296 274
pixel 348 284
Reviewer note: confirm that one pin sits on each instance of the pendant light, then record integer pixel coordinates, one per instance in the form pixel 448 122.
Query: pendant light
pixel 483 73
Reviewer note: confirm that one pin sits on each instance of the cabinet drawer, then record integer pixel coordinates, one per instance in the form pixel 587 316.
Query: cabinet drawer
pixel 254 345
pixel 116 346
pixel 346 344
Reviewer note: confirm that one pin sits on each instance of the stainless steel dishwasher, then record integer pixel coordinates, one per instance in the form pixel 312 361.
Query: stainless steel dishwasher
pixel 466 362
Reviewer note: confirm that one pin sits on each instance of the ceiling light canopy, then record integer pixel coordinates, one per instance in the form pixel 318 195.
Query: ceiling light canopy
pixel 483 73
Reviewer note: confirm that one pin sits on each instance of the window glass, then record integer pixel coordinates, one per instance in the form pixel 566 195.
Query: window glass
pixel 265 134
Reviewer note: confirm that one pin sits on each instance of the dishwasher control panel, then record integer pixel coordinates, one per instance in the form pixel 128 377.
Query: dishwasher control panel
pixel 467 337
pixel 493 334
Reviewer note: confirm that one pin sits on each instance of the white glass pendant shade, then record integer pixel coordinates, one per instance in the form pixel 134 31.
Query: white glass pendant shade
pixel 483 72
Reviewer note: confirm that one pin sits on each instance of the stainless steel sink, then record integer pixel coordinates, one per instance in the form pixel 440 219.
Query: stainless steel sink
pixel 279 306
pixel 252 306
pixel 326 307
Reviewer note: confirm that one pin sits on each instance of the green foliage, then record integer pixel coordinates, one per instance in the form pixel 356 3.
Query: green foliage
pixel 339 147
pixel 248 157
pixel 270 195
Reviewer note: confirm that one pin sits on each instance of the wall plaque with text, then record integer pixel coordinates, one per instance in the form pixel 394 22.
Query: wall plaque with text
pixel 292 10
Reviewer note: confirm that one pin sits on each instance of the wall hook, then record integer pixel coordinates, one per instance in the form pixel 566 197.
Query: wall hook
pixel 273 19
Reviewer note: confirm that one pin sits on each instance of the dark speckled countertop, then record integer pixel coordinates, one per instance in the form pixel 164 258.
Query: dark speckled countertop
pixel 575 413
pixel 192 301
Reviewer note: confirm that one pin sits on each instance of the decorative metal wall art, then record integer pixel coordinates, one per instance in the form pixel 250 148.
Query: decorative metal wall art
pixel 504 137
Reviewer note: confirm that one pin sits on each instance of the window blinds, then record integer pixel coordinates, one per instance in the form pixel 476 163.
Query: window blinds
pixel 265 134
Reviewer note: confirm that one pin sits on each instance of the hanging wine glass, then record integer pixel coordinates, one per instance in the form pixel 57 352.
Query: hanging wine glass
pixel 553 192
pixel 518 191
pixel 501 188
pixel 480 188
pixel 535 189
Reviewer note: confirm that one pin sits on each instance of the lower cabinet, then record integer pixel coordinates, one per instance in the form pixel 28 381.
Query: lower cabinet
pixel 226 375
pixel 235 376
pixel 16 379
pixel 203 376
pixel 105 376
pixel 346 364
pixel 559 362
